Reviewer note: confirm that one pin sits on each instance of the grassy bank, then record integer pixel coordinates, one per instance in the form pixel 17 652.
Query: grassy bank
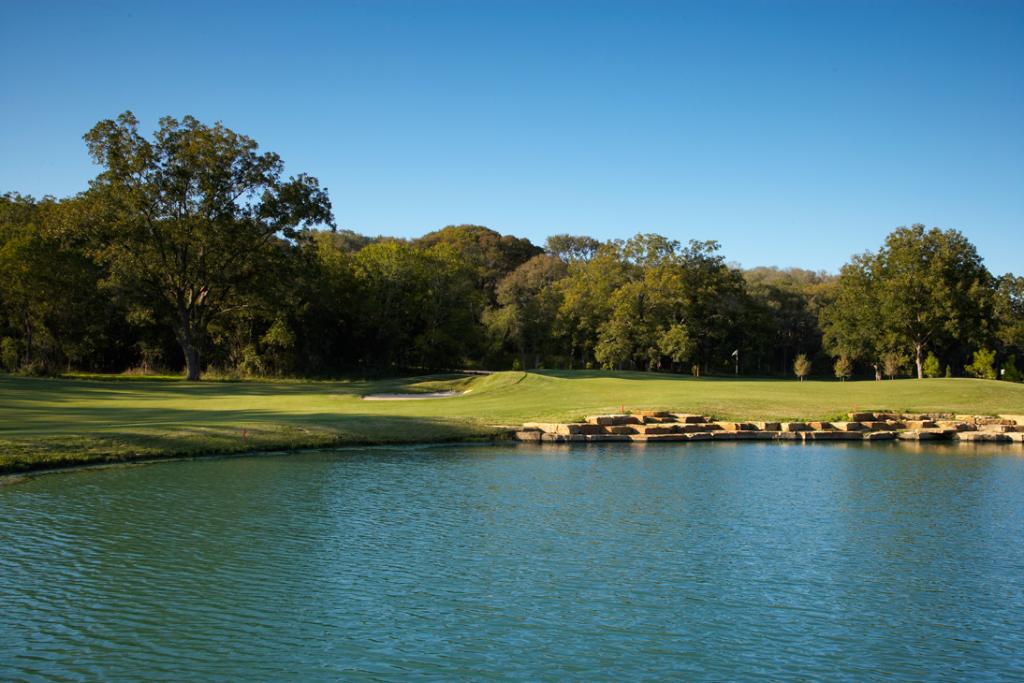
pixel 60 422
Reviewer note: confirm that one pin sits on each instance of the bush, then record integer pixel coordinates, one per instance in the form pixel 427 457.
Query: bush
pixel 843 368
pixel 802 366
pixel 932 367
pixel 984 365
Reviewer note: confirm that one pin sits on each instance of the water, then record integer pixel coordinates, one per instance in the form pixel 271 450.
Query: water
pixel 695 562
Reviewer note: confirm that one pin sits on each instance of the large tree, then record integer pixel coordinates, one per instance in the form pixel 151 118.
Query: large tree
pixel 924 289
pixel 186 220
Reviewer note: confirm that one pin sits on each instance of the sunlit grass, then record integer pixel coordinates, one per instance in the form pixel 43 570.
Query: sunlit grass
pixel 57 422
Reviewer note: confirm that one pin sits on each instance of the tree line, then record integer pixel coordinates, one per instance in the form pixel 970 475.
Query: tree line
pixel 191 251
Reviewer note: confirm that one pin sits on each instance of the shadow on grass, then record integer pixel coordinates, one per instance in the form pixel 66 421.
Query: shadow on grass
pixel 269 430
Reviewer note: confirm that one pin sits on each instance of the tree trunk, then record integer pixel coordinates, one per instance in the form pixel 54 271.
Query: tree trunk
pixel 918 348
pixel 192 370
pixel 878 372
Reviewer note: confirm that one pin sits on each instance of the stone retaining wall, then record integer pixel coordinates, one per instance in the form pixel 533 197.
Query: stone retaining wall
pixel 862 426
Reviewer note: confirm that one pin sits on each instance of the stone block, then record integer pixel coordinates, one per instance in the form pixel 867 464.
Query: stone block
pixel 603 437
pixel 788 436
pixel 549 427
pixel 879 436
pixel 659 437
pixel 994 422
pixel 818 426
pixel 529 435
pixel 920 424
pixel 621 429
pixel 984 437
pixel 657 429
pixel 794 427
pixel 687 419
pixel 735 426
pixel 862 417
pixel 849 426
pixel 768 426
pixel 610 420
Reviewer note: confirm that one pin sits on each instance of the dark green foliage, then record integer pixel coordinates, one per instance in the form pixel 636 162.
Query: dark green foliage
pixel 190 249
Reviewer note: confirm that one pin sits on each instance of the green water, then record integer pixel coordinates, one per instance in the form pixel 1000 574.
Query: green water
pixel 692 562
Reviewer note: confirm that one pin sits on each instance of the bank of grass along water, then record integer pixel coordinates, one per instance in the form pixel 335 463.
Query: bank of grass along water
pixel 53 423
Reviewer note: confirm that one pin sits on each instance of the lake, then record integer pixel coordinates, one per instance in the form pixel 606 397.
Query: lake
pixel 670 562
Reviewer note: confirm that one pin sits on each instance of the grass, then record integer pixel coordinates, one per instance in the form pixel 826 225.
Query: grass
pixel 47 423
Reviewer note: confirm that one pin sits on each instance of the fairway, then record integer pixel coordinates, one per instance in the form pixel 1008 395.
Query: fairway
pixel 57 422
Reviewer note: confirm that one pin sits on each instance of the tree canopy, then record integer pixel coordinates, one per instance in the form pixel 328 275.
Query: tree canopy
pixel 192 250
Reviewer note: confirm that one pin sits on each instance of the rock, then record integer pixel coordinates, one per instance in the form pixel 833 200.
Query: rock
pixel 684 418
pixel 862 417
pixel 657 429
pixel 920 424
pixel 606 420
pixel 768 426
pixel 735 426
pixel 621 429
pixel 955 424
pixel 994 422
pixel 659 437
pixel 606 437
pixel 794 427
pixel 819 426
pixel 549 427
pixel 986 437
pixel 849 426
pixel 830 435
pixel 529 435
pixel 879 436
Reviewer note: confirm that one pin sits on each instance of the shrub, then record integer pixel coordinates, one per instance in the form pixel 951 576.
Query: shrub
pixel 802 366
pixel 932 367
pixel 843 368
pixel 983 366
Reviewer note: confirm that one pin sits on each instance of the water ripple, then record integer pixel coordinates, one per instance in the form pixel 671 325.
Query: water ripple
pixel 700 562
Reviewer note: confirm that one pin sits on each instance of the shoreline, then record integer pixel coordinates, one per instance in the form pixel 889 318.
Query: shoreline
pixel 637 428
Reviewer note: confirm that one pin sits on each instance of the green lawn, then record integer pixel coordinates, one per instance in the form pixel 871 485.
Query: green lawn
pixel 58 422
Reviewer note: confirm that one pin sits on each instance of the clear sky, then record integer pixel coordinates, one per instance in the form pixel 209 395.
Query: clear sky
pixel 795 133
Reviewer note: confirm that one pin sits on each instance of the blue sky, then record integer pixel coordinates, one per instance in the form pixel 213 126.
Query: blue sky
pixel 794 133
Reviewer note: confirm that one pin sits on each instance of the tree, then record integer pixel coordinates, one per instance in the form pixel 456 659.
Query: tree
pixel 1008 310
pixel 932 366
pixel 851 322
pixel 802 366
pixel 922 289
pixel 843 368
pixel 187 220
pixel 983 366
pixel 570 248
pixel 675 343
pixel 892 363
pixel 931 284
pixel 528 302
